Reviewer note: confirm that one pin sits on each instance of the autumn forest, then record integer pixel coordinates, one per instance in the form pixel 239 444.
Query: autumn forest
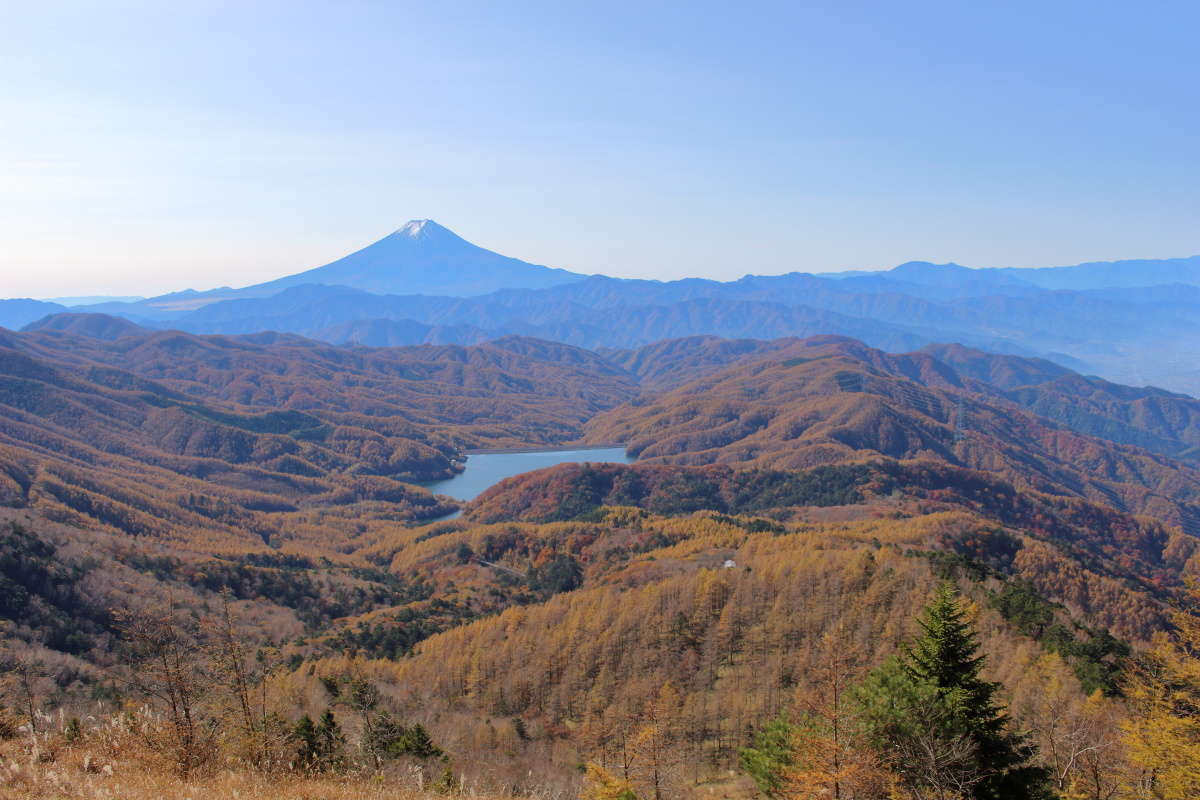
pixel 830 571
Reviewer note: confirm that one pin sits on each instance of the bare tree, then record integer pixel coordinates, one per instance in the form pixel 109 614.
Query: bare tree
pixel 944 766
pixel 22 674
pixel 245 676
pixel 1078 737
pixel 165 662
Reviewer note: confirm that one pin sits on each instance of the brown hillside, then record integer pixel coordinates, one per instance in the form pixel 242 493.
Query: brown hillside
pixel 1158 420
pixel 504 393
pixel 828 401
pixel 103 447
pixel 788 494
pixel 665 365
pixel 725 614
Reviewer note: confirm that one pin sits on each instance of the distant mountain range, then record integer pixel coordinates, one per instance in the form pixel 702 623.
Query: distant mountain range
pixel 91 300
pixel 1126 274
pixel 1135 322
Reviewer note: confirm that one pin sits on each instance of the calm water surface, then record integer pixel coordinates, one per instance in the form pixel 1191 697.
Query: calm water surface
pixel 486 469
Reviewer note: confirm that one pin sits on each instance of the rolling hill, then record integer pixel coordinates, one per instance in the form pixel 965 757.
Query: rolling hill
pixel 502 393
pixel 827 400
pixel 97 446
pixel 786 492
pixel 215 442
pixel 605 582
pixel 1155 419
pixel 94 326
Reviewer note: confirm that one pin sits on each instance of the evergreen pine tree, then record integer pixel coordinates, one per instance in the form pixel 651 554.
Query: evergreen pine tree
pixel 384 738
pixel 771 754
pixel 940 722
pixel 418 742
pixel 330 740
pixel 319 745
pixel 307 747
pixel 947 656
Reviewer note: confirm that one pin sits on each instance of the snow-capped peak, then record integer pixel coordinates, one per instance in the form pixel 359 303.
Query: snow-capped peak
pixel 414 228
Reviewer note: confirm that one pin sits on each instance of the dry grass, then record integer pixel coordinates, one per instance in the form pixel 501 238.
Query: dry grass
pixel 61 781
pixel 117 758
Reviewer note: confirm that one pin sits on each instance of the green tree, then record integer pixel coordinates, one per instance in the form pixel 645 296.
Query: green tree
pixel 770 756
pixel 307 747
pixel 939 723
pixel 319 745
pixel 417 742
pixel 383 738
pixel 330 737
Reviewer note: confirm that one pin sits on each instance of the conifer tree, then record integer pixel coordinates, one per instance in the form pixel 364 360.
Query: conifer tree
pixel 307 746
pixel 383 738
pixel 319 745
pixel 417 742
pixel 771 754
pixel 329 735
pixel 939 722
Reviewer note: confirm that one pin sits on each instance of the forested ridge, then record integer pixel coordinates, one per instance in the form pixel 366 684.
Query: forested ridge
pixel 226 445
pixel 815 534
pixel 828 400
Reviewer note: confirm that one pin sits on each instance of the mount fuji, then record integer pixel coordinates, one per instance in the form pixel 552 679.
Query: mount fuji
pixel 422 257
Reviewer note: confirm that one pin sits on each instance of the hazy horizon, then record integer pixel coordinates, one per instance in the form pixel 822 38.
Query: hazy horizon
pixel 79 300
pixel 150 149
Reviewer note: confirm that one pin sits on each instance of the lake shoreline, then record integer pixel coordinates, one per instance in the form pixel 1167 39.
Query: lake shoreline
pixel 485 469
pixel 565 448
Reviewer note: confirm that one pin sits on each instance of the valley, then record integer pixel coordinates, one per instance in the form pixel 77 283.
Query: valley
pixel 525 611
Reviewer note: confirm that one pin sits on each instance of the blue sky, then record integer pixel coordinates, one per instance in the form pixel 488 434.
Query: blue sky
pixel 146 147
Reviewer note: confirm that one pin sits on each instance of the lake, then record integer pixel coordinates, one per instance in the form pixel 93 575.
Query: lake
pixel 487 469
